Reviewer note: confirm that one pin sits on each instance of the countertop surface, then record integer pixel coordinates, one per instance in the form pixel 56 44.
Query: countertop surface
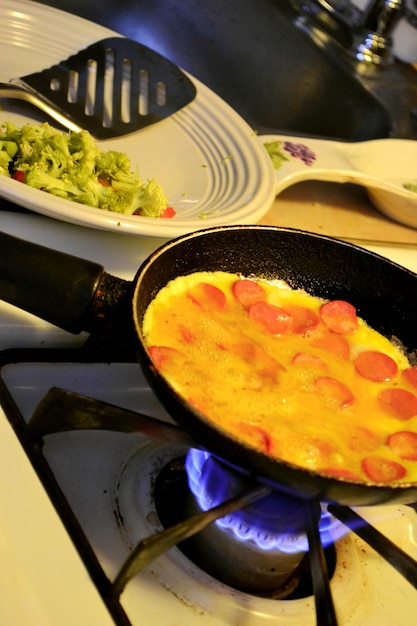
pixel 342 211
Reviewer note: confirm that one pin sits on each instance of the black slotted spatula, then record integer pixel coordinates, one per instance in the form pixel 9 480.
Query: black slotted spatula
pixel 113 87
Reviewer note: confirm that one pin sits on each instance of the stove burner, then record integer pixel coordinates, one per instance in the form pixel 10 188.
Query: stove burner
pixel 273 523
pixel 259 547
pixel 265 562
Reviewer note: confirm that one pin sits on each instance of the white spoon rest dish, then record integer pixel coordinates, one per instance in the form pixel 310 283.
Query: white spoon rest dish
pixel 382 166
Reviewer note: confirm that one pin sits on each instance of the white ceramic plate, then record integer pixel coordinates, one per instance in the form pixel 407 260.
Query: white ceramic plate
pixel 206 158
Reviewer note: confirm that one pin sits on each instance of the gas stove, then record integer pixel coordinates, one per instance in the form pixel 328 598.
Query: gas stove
pixel 78 504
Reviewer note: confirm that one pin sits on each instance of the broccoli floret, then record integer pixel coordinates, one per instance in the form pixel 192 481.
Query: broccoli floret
pixel 71 166
pixel 95 194
pixel 130 195
pixel 121 201
pixel 115 168
pixel 31 140
pixel 11 132
pixel 5 162
pixel 84 154
pixel 112 165
pixel 8 150
pixel 62 187
pixel 10 147
pixel 52 159
pixel 151 200
pixel 147 200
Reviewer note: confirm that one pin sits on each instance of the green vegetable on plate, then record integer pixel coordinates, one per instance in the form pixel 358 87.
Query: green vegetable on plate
pixel 70 165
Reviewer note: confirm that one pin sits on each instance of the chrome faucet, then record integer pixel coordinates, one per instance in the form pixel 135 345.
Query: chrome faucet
pixel 365 33
pixel 380 20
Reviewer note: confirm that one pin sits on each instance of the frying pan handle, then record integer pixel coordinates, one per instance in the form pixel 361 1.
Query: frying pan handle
pixel 72 293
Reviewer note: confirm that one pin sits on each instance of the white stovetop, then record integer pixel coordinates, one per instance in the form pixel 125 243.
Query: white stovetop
pixel 33 542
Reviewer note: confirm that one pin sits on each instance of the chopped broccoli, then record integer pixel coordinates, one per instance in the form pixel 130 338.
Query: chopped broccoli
pixel 38 178
pixel 71 166
pixel 9 147
pixel 151 200
pixel 113 164
pixel 8 150
pixel 105 196
pixel 5 162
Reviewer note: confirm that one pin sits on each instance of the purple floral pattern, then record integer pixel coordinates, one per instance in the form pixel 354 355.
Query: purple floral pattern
pixel 300 151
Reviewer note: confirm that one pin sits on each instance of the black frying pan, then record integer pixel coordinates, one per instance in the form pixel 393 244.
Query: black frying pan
pixel 79 295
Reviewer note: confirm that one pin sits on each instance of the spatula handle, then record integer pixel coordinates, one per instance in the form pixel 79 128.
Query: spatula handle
pixel 15 92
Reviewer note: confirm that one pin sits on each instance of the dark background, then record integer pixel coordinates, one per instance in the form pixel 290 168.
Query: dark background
pixel 249 53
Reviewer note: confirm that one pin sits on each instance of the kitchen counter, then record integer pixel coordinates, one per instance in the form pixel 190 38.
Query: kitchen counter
pixel 337 210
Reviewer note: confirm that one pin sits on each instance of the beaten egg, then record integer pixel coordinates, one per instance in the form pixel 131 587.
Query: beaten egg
pixel 302 379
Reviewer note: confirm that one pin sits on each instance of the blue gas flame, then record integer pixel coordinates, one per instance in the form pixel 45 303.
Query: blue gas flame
pixel 277 525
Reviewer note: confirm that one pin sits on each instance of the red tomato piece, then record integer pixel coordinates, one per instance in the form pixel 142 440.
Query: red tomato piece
pixel 19 176
pixel 245 350
pixel 303 319
pixel 335 344
pixel 186 334
pixel 334 391
pixel 160 354
pixel 265 367
pixel 104 182
pixel 272 319
pixel 260 438
pixel 340 472
pixel 214 295
pixel 404 443
pixel 382 470
pixel 339 316
pixel 207 295
pixel 398 402
pixel 410 374
pixel 362 440
pixel 304 359
pixel 248 292
pixel 168 212
pixel 375 366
